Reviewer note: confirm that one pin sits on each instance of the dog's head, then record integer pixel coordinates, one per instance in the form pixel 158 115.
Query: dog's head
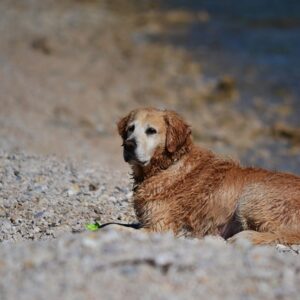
pixel 147 132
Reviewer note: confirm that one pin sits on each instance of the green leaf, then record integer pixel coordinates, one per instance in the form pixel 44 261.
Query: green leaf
pixel 93 226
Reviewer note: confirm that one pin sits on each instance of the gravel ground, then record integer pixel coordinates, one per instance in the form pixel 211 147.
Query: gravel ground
pixel 43 198
pixel 121 265
pixel 68 70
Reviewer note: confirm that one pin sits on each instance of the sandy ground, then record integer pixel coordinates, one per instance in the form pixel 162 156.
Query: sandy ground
pixel 68 71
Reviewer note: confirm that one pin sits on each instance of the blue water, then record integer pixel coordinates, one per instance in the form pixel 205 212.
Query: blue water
pixel 257 43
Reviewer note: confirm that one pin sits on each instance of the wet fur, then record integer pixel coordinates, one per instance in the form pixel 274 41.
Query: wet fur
pixel 193 192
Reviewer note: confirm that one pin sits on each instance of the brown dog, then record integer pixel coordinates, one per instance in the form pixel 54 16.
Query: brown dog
pixel 181 187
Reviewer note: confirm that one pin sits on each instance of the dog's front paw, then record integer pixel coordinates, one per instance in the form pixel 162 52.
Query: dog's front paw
pixel 242 238
pixel 254 237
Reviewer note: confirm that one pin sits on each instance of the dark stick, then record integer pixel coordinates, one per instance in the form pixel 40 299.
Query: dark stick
pixel 133 225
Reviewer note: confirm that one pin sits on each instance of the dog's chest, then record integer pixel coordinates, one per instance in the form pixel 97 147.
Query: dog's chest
pixel 152 203
pixel 153 215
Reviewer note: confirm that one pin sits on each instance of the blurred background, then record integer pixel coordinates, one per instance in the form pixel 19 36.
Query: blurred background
pixel 70 69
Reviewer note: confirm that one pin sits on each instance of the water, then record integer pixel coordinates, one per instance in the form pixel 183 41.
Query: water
pixel 258 43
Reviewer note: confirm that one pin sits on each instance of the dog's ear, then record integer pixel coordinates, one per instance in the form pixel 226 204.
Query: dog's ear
pixel 177 131
pixel 122 124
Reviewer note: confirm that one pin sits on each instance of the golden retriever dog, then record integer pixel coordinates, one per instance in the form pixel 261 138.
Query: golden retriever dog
pixel 184 188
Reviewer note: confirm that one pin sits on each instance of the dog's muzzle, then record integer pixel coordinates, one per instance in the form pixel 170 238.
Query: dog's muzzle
pixel 129 150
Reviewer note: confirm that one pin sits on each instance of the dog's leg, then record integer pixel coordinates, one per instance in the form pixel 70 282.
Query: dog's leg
pixel 268 238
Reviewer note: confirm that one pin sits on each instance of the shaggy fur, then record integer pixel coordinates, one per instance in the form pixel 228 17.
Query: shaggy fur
pixel 192 192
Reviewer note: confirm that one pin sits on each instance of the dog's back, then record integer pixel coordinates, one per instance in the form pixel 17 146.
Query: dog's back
pixel 208 195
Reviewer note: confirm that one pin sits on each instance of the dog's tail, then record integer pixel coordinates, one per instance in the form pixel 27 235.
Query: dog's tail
pixel 285 237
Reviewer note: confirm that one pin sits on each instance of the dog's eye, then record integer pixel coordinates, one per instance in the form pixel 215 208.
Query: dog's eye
pixel 130 128
pixel 150 131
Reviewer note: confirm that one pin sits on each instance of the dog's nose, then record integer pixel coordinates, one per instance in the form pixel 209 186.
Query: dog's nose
pixel 130 145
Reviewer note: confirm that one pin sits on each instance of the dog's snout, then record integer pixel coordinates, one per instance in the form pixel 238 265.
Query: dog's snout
pixel 130 145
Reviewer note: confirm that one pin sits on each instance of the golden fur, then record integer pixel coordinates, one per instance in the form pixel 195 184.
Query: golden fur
pixel 192 192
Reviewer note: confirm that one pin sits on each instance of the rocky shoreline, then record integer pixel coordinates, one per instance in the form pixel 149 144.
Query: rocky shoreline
pixel 68 71
pixel 46 252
